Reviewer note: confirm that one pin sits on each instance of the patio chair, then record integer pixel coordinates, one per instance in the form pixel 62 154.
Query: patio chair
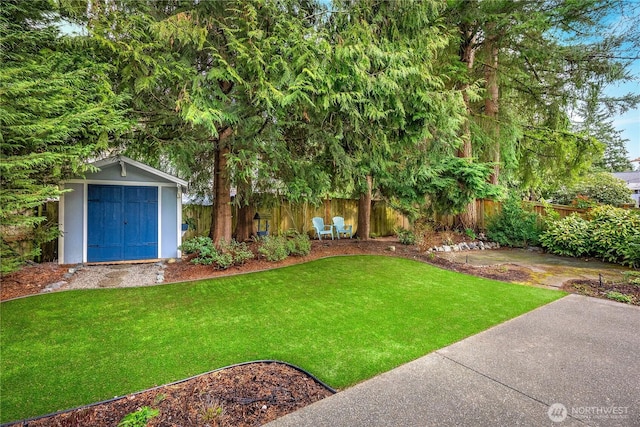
pixel 321 228
pixel 338 223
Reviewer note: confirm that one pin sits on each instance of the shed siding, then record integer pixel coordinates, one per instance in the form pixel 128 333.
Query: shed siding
pixel 169 221
pixel 73 224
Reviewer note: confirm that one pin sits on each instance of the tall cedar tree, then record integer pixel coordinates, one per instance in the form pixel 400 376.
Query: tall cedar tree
pixel 535 60
pixel 216 86
pixel 57 107
pixel 389 116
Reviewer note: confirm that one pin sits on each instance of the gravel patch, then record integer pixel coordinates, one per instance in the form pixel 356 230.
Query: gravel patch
pixel 115 276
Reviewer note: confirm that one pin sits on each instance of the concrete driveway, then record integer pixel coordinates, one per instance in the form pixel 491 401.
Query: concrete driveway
pixel 574 362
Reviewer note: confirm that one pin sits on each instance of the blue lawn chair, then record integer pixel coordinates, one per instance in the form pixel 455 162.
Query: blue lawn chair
pixel 321 229
pixel 338 224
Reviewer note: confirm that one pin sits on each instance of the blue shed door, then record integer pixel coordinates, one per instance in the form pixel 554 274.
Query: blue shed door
pixel 122 223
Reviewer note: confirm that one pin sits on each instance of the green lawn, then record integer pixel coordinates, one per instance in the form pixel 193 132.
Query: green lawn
pixel 344 319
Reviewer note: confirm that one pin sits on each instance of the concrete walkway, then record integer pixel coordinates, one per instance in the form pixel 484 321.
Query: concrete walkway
pixel 574 362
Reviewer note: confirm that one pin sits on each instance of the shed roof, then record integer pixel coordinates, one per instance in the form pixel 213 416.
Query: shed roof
pixel 117 159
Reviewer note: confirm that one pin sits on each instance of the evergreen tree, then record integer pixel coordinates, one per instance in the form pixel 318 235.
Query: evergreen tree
pixel 595 121
pixel 389 115
pixel 536 60
pixel 216 86
pixel 57 107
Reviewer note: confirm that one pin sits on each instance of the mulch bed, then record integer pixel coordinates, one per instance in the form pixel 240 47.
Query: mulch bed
pixel 246 395
pixel 594 288
pixel 30 280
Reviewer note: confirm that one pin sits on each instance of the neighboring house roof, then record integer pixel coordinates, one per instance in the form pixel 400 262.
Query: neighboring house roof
pixel 631 178
pixel 123 159
pixel 193 199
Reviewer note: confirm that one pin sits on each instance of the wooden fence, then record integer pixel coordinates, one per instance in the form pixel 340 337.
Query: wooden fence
pixel 287 216
pixel 487 209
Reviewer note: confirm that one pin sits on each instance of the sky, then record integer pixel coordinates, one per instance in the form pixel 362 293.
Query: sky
pixel 629 123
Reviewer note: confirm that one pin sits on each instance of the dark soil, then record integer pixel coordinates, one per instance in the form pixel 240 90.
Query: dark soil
pixel 593 288
pixel 248 395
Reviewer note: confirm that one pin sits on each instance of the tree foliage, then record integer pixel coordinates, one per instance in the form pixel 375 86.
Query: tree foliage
pixel 389 116
pixel 219 87
pixel 57 108
pixel 546 57
pixel 595 188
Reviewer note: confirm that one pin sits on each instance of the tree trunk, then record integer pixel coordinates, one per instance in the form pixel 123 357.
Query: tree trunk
pixel 245 227
pixel 469 217
pixel 221 212
pixel 491 102
pixel 245 223
pixel 364 212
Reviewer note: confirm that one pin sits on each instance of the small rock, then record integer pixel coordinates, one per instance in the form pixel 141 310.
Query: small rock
pixel 171 260
pixel 264 407
pixel 72 270
pixel 67 275
pixel 391 248
pixel 456 248
pixel 54 286
pixel 447 248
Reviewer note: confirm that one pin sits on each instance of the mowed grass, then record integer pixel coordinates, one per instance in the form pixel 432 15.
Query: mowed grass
pixel 344 319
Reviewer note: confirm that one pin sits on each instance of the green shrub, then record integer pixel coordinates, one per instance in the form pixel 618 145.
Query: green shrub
pixel 139 418
pixel 567 237
pixel 617 296
pixel 223 257
pixel 470 233
pixel 299 245
pixel 239 251
pixel 274 248
pixel 631 254
pixel 195 244
pixel 406 237
pixel 609 233
pixel 514 226
pixel 615 234
pixel 600 187
pixel 203 247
